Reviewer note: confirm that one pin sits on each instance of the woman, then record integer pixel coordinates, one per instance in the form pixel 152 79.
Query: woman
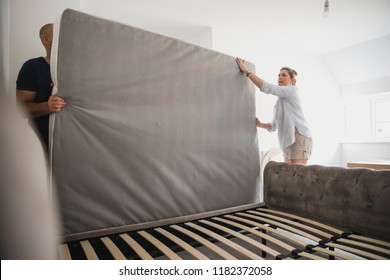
pixel 293 131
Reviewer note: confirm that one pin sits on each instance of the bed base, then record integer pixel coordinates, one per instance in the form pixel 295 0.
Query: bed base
pixel 257 233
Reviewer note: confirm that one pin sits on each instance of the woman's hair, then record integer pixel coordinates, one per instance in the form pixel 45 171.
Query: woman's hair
pixel 293 74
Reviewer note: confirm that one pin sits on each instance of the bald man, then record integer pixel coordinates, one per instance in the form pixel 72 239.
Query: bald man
pixel 34 89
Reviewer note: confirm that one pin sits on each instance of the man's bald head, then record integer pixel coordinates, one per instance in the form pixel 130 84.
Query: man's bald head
pixel 46 30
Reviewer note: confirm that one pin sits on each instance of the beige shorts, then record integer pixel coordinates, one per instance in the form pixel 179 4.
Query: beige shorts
pixel 301 149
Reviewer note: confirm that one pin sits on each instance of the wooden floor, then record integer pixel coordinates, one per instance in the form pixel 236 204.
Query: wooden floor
pixel 259 233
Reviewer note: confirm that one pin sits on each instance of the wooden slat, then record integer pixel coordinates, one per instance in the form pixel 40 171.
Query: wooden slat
pixel 161 246
pixel 88 250
pixel 114 250
pixel 296 224
pixel 258 233
pixel 286 235
pixel 225 241
pixel 278 232
pixel 336 231
pixel 251 241
pixel 364 245
pixel 138 249
pixel 204 242
pixel 310 256
pixel 320 225
pixel 275 253
pixel 64 253
pixel 283 226
pixel 370 240
pixel 324 234
pixel 355 251
pixel 335 253
pixel 182 244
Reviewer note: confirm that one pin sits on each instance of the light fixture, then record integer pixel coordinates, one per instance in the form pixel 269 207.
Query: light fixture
pixel 326 9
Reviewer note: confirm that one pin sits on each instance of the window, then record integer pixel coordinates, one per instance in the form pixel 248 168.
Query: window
pixel 367 118
pixel 381 110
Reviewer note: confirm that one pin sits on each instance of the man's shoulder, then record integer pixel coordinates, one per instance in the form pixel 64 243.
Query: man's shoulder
pixel 35 60
pixel 34 64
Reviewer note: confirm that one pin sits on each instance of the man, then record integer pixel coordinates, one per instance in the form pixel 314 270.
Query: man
pixel 34 89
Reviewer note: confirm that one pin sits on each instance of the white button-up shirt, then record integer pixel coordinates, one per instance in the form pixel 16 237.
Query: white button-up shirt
pixel 288 113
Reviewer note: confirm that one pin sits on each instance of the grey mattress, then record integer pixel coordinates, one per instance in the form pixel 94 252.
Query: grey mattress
pixel 155 128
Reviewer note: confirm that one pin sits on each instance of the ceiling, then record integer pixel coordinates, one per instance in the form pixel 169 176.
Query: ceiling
pixel 298 24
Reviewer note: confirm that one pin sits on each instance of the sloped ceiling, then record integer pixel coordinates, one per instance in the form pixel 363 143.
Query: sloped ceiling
pixel 362 62
pixel 356 28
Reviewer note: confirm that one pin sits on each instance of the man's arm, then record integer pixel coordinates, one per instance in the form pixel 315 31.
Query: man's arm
pixel 35 110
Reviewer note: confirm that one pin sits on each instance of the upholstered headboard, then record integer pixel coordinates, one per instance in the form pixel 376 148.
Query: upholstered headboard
pixel 352 199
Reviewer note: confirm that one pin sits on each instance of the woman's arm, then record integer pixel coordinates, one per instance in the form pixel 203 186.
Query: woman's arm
pixel 252 76
pixel 266 126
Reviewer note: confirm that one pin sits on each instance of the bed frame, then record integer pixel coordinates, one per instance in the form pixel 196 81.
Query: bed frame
pixel 310 212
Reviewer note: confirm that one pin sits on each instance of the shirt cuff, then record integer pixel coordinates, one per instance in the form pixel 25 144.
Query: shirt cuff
pixel 265 87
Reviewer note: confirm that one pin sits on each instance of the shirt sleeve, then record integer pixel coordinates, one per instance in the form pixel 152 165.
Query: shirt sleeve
pixel 274 127
pixel 26 79
pixel 280 91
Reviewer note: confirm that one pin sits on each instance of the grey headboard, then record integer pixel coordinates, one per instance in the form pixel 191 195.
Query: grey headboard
pixel 353 199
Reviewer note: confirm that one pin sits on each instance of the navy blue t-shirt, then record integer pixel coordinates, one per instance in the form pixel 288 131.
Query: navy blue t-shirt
pixel 35 76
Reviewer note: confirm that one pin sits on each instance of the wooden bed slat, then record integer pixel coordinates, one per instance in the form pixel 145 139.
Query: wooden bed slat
pixel 138 249
pixel 226 241
pixel 205 242
pixel 182 244
pixel 370 240
pixel 355 251
pixel 329 228
pixel 114 250
pixel 265 236
pixel 310 256
pixel 267 249
pixel 161 246
pixel 276 231
pixel 364 245
pixel 283 226
pixel 332 253
pixel 88 250
pixel 242 237
pixel 64 253
pixel 296 224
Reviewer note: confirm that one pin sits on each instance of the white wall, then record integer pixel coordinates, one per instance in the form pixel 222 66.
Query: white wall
pixel 4 38
pixel 22 19
pixel 25 18
pixel 126 12
pixel 364 151
pixel 362 62
pixel 318 87
pixel 363 70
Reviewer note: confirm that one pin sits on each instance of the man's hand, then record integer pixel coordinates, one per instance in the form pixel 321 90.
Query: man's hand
pixel 55 103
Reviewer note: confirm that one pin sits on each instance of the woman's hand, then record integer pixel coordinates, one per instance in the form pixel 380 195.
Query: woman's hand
pixel 266 126
pixel 241 64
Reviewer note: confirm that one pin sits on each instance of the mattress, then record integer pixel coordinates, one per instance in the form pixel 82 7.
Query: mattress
pixel 155 128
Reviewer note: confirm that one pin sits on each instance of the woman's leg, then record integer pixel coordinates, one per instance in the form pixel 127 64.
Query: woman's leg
pixel 298 161
pixel 300 151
